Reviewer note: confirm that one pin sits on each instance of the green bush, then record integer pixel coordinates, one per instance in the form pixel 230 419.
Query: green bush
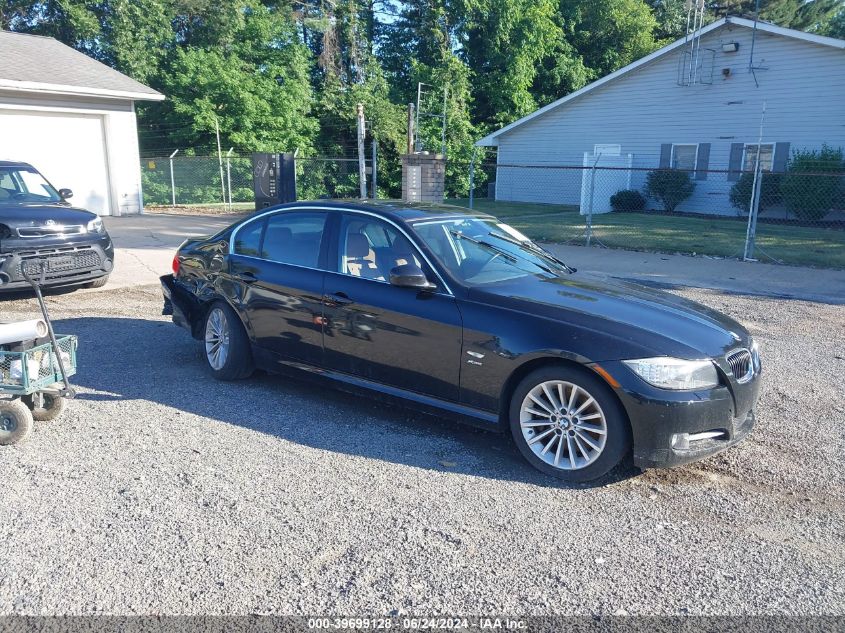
pixel 770 194
pixel 813 181
pixel 627 200
pixel 670 187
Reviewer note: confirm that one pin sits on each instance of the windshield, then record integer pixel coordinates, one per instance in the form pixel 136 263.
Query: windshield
pixel 24 184
pixel 483 250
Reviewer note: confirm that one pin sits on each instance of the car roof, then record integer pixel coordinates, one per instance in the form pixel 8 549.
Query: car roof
pixel 14 163
pixel 394 209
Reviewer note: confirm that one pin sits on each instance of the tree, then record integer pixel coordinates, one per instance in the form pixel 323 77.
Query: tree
pixel 253 81
pixel 609 34
pixel 803 15
pixel 503 42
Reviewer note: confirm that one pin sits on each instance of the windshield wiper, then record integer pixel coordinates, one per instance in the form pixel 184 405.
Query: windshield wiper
pixel 534 249
pixel 492 247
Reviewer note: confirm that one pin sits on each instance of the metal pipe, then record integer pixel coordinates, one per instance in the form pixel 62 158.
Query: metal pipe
pixel 172 180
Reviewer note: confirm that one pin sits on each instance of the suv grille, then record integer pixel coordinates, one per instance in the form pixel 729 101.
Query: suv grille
pixel 58 230
pixel 741 365
pixel 61 261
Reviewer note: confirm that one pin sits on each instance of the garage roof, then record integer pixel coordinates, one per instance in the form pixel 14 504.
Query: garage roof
pixel 33 63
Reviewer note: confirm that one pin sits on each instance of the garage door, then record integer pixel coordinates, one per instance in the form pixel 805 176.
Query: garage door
pixel 69 149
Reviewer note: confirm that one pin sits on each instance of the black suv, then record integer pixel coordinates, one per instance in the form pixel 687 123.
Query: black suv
pixel 39 228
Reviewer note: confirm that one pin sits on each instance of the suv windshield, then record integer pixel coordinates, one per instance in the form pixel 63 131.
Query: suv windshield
pixel 23 184
pixel 484 250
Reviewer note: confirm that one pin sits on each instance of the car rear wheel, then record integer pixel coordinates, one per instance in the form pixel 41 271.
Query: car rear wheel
pixel 567 423
pixel 227 349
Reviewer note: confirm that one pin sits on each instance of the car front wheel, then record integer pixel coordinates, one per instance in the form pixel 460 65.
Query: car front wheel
pixel 567 423
pixel 227 349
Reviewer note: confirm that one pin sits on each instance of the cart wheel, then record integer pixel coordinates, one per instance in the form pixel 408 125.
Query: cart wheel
pixel 51 408
pixel 15 421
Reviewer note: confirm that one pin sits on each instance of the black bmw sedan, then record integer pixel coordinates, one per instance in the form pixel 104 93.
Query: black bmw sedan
pixel 459 313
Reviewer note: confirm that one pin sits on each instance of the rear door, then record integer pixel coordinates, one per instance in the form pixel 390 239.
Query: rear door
pixel 279 262
pixel 395 336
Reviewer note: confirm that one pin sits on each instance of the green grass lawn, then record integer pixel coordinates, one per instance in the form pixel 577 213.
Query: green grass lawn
pixel 723 237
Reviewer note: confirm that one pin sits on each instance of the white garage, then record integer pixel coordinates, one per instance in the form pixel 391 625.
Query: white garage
pixel 73 118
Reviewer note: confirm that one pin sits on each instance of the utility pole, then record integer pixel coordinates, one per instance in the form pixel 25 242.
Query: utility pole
pixel 410 128
pixel 220 159
pixel 229 174
pixel 375 170
pixel 172 180
pixel 362 158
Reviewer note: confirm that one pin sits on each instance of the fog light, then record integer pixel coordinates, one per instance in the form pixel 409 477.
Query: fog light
pixel 683 441
pixel 680 441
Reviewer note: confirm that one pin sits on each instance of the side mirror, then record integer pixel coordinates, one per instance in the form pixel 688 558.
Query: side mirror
pixel 65 193
pixel 410 276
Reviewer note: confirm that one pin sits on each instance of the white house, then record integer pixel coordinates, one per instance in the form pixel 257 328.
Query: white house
pixel 696 104
pixel 73 118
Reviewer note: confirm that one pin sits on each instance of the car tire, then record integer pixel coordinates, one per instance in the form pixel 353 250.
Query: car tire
pixel 15 422
pixel 98 283
pixel 226 344
pixel 53 407
pixel 575 448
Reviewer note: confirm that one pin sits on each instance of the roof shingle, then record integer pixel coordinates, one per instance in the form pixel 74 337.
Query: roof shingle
pixel 53 66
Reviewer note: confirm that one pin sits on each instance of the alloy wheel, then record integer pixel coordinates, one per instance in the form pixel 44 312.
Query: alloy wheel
pixel 563 424
pixel 217 339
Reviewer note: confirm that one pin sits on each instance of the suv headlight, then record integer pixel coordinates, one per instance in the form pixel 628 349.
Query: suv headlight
pixel 675 373
pixel 95 225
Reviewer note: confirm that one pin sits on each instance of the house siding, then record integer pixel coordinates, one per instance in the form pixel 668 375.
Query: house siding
pixel 802 85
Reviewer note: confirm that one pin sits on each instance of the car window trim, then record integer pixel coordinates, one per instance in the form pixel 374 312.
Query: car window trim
pixel 407 235
pixel 265 218
pixel 326 234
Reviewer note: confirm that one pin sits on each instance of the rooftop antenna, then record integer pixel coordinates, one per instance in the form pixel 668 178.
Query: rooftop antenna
pixel 421 93
pixel 691 64
pixel 751 67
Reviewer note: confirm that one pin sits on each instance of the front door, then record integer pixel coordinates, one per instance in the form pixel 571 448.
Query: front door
pixel 395 336
pixel 277 261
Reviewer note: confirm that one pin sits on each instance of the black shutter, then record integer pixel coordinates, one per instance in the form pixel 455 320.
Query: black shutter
pixel 702 161
pixel 665 156
pixel 735 162
pixel 781 157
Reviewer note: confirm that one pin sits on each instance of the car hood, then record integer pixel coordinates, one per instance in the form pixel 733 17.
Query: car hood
pixel 34 214
pixel 668 325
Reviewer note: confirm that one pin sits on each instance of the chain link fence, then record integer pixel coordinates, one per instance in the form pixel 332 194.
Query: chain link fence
pixel 197 180
pixel 793 217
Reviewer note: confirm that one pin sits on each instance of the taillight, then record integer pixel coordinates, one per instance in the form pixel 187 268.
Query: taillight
pixel 175 265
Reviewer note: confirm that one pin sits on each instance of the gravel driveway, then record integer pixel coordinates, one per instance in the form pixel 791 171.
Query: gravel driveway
pixel 162 491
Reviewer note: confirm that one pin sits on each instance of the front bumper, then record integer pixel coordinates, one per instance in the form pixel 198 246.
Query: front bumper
pixel 671 428
pixel 66 265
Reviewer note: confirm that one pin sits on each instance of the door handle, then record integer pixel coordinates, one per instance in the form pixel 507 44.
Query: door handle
pixel 337 299
pixel 247 277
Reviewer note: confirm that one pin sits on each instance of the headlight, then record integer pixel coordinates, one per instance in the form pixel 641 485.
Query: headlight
pixel 675 373
pixel 95 226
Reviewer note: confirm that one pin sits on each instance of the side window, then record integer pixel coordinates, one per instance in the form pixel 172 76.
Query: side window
pixel 294 238
pixel 248 239
pixel 370 248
